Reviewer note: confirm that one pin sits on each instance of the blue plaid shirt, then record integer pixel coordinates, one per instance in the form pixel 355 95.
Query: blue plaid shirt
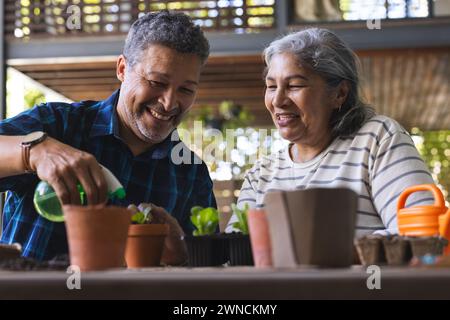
pixel 92 126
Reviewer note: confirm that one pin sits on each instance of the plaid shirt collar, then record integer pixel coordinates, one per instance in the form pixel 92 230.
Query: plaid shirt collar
pixel 107 123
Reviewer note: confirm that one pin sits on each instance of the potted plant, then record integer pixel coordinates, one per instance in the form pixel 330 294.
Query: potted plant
pixel 97 235
pixel 205 247
pixel 145 240
pixel 240 250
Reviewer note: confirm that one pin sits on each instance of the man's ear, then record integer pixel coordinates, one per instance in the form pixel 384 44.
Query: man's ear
pixel 342 92
pixel 121 67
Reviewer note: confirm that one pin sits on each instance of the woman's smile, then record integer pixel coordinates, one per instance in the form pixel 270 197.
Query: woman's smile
pixel 285 119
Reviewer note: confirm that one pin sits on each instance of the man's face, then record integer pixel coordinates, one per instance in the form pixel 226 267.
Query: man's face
pixel 157 92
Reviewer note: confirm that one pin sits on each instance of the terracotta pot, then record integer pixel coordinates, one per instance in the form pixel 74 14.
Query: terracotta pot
pixel 259 237
pixel 97 235
pixel 145 244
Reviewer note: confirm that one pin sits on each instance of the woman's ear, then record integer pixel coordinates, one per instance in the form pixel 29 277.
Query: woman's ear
pixel 342 91
pixel 121 67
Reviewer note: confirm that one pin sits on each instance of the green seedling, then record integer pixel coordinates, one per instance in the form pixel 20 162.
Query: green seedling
pixel 241 224
pixel 205 220
pixel 142 217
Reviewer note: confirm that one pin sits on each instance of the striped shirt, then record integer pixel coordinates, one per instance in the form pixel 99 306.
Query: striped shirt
pixel 92 126
pixel 378 163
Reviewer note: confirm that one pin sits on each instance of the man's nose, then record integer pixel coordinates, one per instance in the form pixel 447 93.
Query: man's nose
pixel 169 100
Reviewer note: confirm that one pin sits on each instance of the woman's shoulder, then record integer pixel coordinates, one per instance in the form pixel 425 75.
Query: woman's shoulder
pixel 381 126
pixel 373 133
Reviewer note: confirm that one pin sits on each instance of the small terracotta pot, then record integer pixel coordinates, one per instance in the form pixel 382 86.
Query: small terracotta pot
pixel 260 238
pixel 145 245
pixel 97 236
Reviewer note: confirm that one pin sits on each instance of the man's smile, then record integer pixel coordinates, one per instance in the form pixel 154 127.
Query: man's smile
pixel 160 116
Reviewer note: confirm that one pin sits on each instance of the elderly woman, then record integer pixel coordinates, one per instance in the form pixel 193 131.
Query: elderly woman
pixel 335 139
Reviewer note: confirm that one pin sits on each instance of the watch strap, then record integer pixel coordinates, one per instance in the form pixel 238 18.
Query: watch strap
pixel 26 157
pixel 26 147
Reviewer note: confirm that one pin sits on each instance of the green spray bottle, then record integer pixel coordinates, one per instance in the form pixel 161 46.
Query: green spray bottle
pixel 48 205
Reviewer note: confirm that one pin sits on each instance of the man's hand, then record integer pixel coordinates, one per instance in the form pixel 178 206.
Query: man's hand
pixel 63 167
pixel 175 251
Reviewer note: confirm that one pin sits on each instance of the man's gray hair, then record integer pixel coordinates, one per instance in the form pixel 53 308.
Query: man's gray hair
pixel 171 29
pixel 326 54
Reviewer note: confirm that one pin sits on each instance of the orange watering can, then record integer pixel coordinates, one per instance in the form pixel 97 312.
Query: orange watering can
pixel 425 220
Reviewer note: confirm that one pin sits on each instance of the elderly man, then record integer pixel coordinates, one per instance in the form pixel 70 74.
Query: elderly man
pixel 129 133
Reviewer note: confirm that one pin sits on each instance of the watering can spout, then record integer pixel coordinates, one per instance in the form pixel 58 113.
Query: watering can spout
pixel 444 228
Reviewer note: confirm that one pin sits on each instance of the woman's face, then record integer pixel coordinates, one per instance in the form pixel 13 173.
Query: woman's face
pixel 298 100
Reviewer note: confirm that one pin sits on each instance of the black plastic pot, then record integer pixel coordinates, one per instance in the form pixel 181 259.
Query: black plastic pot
pixel 206 251
pixel 240 249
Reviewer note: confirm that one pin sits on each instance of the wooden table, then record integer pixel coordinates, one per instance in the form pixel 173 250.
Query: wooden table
pixel 229 283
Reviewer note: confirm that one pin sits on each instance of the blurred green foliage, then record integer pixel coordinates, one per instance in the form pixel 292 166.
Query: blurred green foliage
pixel 434 147
pixel 228 115
pixel 33 97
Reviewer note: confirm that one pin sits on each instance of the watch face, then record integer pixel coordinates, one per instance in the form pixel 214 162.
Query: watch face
pixel 33 136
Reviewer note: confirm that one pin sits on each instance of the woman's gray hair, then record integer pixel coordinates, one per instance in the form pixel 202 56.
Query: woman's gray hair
pixel 326 54
pixel 171 29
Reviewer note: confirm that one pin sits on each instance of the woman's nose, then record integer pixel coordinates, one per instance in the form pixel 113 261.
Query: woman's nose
pixel 280 99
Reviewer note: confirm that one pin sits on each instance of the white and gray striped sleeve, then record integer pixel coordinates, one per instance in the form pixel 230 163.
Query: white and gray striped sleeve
pixel 396 166
pixel 247 195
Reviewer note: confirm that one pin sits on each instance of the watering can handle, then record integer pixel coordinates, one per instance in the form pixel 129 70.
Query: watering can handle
pixel 437 194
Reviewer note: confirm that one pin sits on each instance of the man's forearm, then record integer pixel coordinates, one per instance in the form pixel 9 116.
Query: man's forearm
pixel 11 156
